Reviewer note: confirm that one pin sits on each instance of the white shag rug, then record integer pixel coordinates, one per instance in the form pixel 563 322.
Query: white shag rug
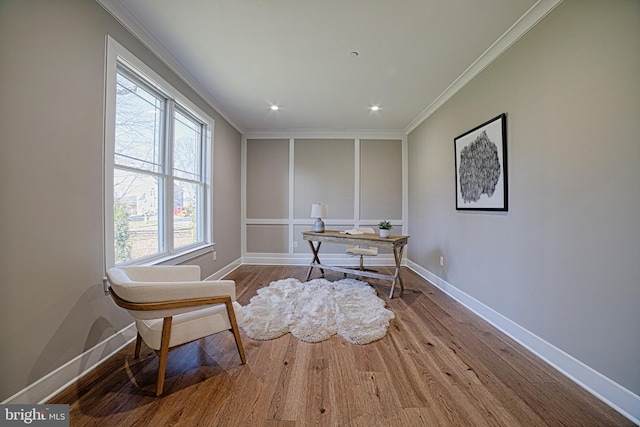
pixel 314 311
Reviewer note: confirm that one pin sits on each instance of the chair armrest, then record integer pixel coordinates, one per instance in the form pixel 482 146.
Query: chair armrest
pixel 156 292
pixel 168 305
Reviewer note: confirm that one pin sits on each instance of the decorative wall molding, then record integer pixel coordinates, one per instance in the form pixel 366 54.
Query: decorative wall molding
pixel 291 222
pixel 380 260
pixel 613 394
pixel 325 134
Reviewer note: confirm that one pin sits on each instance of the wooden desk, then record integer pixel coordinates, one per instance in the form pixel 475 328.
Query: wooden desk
pixel 394 242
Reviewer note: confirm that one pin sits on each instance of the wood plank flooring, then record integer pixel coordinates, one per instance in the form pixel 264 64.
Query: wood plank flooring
pixel 439 365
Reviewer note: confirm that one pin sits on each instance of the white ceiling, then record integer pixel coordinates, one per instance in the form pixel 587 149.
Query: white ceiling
pixel 245 55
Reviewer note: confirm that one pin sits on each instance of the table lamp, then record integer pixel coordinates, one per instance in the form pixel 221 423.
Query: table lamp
pixel 319 211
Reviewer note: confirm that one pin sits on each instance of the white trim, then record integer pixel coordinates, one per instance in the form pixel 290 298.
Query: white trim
pixel 613 394
pixel 118 54
pixel 340 222
pixel 207 168
pixel 326 134
pixel 270 221
pixel 381 260
pixel 357 162
pixel 617 397
pixel 115 9
pixel 44 389
pixel 225 270
pixel 182 257
pixel 290 222
pixel 527 21
pixel 108 147
pixel 291 187
pixel 243 194
pixel 56 381
pixel 153 79
pixel 405 185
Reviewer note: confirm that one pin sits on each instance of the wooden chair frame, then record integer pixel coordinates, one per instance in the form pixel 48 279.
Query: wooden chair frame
pixel 166 326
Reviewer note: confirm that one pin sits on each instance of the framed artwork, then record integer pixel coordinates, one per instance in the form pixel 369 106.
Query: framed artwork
pixel 481 167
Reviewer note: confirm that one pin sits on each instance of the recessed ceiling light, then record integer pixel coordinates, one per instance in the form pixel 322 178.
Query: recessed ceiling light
pixel 375 108
pixel 274 108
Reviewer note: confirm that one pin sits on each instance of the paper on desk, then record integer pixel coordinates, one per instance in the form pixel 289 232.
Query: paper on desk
pixel 351 232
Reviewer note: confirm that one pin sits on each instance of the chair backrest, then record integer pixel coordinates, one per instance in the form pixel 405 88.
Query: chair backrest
pixel 363 230
pixel 366 230
pixel 140 284
pixel 158 273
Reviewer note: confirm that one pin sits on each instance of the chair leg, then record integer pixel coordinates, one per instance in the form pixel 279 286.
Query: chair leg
pixel 164 352
pixel 362 267
pixel 136 354
pixel 236 330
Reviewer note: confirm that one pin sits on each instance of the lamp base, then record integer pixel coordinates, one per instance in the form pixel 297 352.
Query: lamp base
pixel 318 226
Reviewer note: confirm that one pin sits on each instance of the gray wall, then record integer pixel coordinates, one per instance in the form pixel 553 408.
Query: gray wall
pixel 52 306
pixel 564 261
pixel 315 182
pixel 360 180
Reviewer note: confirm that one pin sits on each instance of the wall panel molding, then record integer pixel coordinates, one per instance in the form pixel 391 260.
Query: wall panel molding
pixel 325 177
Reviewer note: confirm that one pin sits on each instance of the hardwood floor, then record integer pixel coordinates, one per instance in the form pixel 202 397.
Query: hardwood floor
pixel 439 365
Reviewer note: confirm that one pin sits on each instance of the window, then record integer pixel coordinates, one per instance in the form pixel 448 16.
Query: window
pixel 157 158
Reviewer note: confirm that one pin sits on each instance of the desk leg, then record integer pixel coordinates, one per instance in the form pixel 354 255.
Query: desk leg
pixel 316 259
pixel 397 277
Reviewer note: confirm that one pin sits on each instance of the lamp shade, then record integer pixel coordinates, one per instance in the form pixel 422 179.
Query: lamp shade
pixel 319 210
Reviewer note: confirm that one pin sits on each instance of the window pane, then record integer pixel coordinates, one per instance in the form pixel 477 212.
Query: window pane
pixel 136 232
pixel 138 126
pixel 187 147
pixel 157 176
pixel 186 204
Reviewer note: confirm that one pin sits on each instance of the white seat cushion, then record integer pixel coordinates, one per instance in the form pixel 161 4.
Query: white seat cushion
pixel 189 326
pixel 368 251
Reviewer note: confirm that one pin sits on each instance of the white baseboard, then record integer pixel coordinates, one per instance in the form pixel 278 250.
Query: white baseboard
pixel 225 270
pixel 53 383
pixel 613 394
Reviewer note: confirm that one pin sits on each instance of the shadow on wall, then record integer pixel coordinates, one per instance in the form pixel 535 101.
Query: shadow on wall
pixel 64 344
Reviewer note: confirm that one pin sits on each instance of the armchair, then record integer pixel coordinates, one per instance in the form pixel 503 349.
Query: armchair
pixel 172 307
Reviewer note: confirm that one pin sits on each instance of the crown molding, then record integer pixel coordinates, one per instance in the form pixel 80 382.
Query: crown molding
pixel 325 134
pixel 526 22
pixel 124 17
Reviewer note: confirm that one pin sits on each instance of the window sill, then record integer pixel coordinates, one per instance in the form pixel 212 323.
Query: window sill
pixel 181 257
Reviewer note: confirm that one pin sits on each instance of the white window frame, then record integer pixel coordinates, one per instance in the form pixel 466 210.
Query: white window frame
pixel 117 54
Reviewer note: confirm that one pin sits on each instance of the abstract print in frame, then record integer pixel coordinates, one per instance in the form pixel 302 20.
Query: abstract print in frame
pixel 481 167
